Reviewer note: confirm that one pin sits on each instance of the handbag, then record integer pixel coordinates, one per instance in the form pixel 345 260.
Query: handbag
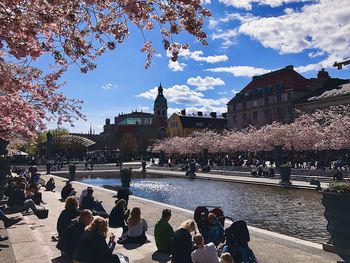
pixel 42 213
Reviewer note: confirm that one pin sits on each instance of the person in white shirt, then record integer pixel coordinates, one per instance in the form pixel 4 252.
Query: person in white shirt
pixel 137 227
pixel 204 253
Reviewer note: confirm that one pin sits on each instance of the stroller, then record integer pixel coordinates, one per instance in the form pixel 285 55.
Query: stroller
pixel 236 236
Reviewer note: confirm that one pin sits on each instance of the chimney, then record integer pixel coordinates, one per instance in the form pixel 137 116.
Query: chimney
pixel 108 121
pixel 290 67
pixel 200 114
pixel 183 112
pixel 213 114
pixel 323 75
pixel 224 115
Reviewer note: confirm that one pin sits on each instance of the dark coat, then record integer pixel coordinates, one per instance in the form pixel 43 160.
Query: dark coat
pixel 92 248
pixel 182 246
pixel 117 217
pixel 17 198
pixel 88 202
pixel 65 218
pixel 70 238
pixel 66 190
pixel 50 185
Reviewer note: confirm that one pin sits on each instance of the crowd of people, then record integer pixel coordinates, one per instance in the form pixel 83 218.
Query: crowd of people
pixel 83 225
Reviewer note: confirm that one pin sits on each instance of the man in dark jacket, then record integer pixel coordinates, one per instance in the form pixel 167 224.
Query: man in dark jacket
pixel 163 232
pixel 73 232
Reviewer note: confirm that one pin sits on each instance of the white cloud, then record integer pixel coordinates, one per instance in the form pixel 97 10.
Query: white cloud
pixel 143 108
pixel 158 55
pixel 176 66
pixel 206 83
pixel 323 27
pixel 247 4
pixel 183 95
pixel 197 55
pixel 109 86
pixel 240 71
pixel 316 54
pixel 227 36
pixel 194 110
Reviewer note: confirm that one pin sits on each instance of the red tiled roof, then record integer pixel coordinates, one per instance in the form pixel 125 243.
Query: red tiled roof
pixel 287 76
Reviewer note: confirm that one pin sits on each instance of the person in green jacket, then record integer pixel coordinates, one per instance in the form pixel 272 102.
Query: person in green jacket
pixel 163 232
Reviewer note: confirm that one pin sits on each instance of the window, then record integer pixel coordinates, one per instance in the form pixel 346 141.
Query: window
pixel 163 113
pixel 234 119
pixel 266 101
pixel 244 105
pixel 245 118
pixel 255 103
pixel 234 108
pixel 267 114
pixel 199 124
pixel 158 112
pixel 290 113
pixel 279 98
pixel 289 96
pixel 255 116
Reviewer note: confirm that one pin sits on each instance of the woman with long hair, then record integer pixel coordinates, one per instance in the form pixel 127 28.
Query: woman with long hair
pixel 137 227
pixel 92 246
pixel 67 215
pixel 182 242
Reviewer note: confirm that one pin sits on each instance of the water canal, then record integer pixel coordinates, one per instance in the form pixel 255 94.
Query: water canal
pixel 293 212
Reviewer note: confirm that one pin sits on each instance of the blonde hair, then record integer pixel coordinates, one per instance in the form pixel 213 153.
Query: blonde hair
pixel 135 217
pixel 226 258
pixel 99 224
pixel 71 202
pixel 188 224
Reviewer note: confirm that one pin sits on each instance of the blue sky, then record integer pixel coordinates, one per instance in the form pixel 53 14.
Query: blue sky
pixel 246 38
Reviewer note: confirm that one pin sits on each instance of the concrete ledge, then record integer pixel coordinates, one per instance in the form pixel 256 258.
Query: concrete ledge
pixel 336 250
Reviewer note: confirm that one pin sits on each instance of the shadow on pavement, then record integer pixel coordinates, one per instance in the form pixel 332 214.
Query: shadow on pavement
pixel 160 257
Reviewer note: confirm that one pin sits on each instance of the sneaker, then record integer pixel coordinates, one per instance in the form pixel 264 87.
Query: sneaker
pixel 27 213
pixel 11 222
pixel 3 238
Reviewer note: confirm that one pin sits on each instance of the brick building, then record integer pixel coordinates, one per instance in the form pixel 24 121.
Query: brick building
pixel 267 98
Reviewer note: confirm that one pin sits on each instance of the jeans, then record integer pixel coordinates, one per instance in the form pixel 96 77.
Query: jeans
pixel 29 203
pixel 3 217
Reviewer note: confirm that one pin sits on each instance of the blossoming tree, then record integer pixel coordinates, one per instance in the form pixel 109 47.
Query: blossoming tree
pixel 326 129
pixel 73 32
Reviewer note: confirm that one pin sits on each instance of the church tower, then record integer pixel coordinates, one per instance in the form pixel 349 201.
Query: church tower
pixel 160 114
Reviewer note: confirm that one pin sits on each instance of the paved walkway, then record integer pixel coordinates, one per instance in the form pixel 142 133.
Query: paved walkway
pixel 31 240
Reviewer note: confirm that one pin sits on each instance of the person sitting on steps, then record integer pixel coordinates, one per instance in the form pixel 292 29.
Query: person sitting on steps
pixel 205 253
pixel 119 215
pixel 67 215
pixel 92 246
pixel 73 232
pixel 163 232
pixel 137 227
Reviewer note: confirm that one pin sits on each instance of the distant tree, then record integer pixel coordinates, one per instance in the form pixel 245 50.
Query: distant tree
pixel 75 32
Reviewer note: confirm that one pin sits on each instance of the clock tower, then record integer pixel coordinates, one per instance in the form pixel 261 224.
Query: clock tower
pixel 160 114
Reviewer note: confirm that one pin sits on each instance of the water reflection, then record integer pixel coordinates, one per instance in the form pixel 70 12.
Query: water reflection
pixel 297 213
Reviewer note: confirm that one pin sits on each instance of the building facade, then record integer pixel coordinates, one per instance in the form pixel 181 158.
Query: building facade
pixel 335 92
pixel 182 125
pixel 134 132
